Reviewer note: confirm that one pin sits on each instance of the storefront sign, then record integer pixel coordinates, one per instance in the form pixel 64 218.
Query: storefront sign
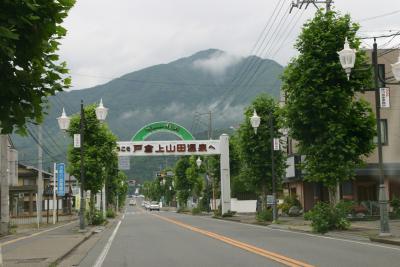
pixel 164 148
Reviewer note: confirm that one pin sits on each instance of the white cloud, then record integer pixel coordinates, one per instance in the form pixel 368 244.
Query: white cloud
pixel 127 115
pixel 110 38
pixel 217 63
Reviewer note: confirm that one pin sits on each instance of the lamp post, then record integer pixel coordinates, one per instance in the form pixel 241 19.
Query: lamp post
pixel 198 162
pixel 347 59
pixel 63 123
pixel 255 121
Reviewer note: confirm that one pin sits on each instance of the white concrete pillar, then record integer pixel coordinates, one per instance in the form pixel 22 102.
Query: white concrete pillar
pixel 225 174
pixel 5 216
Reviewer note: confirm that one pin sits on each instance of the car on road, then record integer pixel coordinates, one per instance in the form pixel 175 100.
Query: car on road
pixel 132 202
pixel 154 205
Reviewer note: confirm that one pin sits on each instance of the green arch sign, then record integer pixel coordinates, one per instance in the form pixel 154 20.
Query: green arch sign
pixel 162 126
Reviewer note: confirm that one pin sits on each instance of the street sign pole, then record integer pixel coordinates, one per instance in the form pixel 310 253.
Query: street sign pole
pixel 54 193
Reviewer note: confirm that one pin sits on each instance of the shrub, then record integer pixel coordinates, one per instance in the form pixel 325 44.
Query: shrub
pixel 395 204
pixel 204 204
pixel 182 210
pixel 325 217
pixel 110 213
pixel 97 218
pixel 218 212
pixel 196 211
pixel 288 202
pixel 264 216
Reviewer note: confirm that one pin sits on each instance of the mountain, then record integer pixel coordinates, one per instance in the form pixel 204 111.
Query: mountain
pixel 209 79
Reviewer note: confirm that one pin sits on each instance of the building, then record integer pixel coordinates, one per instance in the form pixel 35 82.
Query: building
pixel 364 187
pixel 23 190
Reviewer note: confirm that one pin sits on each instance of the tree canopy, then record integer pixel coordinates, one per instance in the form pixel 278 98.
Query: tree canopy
pixel 255 149
pixel 100 156
pixel 30 68
pixel 333 126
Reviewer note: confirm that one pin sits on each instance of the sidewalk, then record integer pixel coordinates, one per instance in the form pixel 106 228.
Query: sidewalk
pixel 359 230
pixel 44 247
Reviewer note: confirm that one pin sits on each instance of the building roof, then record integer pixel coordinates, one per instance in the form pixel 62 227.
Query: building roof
pixel 31 170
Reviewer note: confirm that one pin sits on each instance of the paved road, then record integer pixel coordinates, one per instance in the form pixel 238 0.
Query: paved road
pixel 170 239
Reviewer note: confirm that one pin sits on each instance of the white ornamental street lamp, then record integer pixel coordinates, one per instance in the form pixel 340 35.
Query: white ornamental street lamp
pixel 198 162
pixel 255 121
pixel 396 69
pixel 101 111
pixel 347 58
pixel 63 121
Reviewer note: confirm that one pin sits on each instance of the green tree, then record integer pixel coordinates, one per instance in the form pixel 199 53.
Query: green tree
pixel 182 183
pixel 255 149
pixel 100 157
pixel 30 69
pixel 334 128
pixel 196 180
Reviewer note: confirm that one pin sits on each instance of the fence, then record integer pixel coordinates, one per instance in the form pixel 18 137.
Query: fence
pixel 26 219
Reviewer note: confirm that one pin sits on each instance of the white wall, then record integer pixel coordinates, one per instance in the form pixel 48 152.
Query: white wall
pixel 241 205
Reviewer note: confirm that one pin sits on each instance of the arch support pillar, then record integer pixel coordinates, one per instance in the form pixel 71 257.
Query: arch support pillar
pixel 225 174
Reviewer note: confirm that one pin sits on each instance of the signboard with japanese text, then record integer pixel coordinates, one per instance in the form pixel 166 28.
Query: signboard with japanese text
pixel 384 97
pixel 77 140
pixel 124 163
pixel 60 179
pixel 270 200
pixel 276 144
pixel 165 148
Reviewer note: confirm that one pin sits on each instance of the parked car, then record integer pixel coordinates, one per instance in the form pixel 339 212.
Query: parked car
pixel 154 205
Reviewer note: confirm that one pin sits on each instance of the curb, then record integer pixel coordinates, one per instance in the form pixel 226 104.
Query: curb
pixel 62 257
pixel 87 237
pixel 390 241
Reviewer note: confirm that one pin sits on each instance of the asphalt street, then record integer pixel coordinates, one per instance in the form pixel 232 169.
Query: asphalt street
pixel 169 239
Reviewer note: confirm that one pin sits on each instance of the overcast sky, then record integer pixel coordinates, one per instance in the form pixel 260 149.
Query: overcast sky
pixel 107 39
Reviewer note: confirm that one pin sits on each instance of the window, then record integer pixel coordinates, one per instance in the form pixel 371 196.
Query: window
pixel 384 133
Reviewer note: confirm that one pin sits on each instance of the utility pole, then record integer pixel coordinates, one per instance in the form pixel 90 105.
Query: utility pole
pixel 82 207
pixel 299 4
pixel 271 131
pixel 40 176
pixel 54 193
pixel 383 202
pixel 209 125
pixel 5 216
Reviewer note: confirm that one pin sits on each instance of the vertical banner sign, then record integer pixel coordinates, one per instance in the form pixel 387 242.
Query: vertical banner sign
pixel 77 140
pixel 60 179
pixel 124 163
pixel 276 144
pixel 384 97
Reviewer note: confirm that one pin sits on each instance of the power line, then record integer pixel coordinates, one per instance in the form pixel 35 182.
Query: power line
pixel 257 61
pixel 380 36
pixel 281 27
pixel 380 16
pixel 256 47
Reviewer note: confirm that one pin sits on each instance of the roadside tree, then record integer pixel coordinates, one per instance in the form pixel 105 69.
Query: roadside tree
pixel 333 126
pixel 100 155
pixel 30 68
pixel 255 149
